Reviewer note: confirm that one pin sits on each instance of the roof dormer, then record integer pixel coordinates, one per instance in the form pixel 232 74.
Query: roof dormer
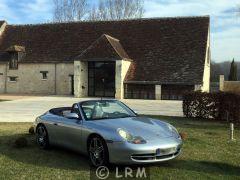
pixel 16 48
pixel 16 53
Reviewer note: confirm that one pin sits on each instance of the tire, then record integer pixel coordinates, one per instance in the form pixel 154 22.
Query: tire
pixel 98 152
pixel 42 137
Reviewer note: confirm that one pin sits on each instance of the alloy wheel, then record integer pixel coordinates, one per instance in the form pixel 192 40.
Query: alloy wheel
pixel 42 138
pixel 97 152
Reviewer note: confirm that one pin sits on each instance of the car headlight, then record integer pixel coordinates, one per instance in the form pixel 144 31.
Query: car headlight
pixel 130 138
pixel 174 131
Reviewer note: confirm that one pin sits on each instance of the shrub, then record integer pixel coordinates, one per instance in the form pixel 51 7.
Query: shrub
pixel 221 106
pixel 21 142
pixel 31 130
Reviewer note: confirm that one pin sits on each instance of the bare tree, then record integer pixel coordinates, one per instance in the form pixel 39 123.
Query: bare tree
pixel 99 12
pixel 93 13
pixel 77 10
pixel 117 9
pixel 69 10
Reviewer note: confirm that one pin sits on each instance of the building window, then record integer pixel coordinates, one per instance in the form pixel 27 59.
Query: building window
pixel 13 63
pixel 12 79
pixel 44 75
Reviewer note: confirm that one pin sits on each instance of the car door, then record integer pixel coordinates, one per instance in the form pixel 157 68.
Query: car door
pixel 69 130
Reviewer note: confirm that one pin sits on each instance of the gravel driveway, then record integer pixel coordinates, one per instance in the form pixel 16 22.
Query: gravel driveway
pixel 26 109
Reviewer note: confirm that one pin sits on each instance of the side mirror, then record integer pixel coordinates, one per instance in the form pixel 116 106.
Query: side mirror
pixel 72 116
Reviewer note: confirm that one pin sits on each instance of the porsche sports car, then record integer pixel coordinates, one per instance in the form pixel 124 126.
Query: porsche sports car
pixel 108 132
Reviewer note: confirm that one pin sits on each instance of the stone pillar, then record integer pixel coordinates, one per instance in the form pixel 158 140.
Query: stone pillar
pixel 122 67
pixel 158 92
pixel 221 83
pixel 80 79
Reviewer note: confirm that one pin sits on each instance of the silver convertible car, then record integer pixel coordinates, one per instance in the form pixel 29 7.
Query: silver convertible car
pixel 108 132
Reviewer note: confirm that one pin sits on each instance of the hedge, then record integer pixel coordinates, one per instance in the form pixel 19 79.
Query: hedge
pixel 220 106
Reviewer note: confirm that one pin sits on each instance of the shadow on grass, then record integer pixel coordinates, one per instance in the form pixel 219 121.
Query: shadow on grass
pixel 56 157
pixel 219 168
pixel 60 158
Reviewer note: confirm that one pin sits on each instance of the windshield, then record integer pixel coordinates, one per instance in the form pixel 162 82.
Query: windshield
pixel 105 109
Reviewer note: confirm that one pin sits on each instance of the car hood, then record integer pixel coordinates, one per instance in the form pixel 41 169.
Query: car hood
pixel 147 128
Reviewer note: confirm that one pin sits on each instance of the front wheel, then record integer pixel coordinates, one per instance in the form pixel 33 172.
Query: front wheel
pixel 98 152
pixel 42 137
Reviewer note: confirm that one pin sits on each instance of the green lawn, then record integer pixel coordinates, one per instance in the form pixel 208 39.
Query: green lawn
pixel 1 100
pixel 207 154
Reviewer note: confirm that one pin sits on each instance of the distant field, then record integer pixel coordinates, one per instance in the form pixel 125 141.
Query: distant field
pixel 207 154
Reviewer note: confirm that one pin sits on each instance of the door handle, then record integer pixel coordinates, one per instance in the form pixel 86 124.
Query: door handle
pixel 56 124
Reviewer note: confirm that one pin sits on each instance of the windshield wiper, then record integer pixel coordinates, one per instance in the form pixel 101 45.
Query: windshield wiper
pixel 126 116
pixel 99 118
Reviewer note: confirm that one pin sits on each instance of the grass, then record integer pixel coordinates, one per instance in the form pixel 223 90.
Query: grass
pixel 1 100
pixel 207 154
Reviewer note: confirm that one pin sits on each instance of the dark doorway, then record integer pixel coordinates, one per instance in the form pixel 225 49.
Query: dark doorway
pixel 175 92
pixel 72 84
pixel 101 79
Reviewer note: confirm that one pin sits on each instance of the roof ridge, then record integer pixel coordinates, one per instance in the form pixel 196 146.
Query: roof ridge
pixel 89 47
pixel 108 36
pixel 121 20
pixel 116 50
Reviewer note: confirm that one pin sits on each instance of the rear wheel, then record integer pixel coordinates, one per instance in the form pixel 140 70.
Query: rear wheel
pixel 42 137
pixel 98 152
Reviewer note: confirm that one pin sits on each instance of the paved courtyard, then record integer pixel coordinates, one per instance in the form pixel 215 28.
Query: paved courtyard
pixel 27 108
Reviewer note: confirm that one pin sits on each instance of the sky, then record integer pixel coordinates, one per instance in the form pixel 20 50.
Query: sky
pixel 225 21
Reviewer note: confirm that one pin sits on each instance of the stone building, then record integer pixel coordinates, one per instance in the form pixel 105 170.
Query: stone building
pixel 158 58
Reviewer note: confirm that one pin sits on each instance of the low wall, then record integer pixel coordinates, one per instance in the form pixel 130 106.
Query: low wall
pixel 232 86
pixel 229 86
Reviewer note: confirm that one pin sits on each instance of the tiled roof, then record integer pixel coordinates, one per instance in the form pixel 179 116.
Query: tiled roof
pixel 105 46
pixel 164 50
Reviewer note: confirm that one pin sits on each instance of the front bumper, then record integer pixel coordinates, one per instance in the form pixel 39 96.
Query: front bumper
pixel 151 152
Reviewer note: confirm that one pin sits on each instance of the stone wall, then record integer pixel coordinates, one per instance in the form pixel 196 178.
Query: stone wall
pixel 2 77
pixel 63 85
pixel 80 79
pixel 229 86
pixel 122 67
pixel 30 81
